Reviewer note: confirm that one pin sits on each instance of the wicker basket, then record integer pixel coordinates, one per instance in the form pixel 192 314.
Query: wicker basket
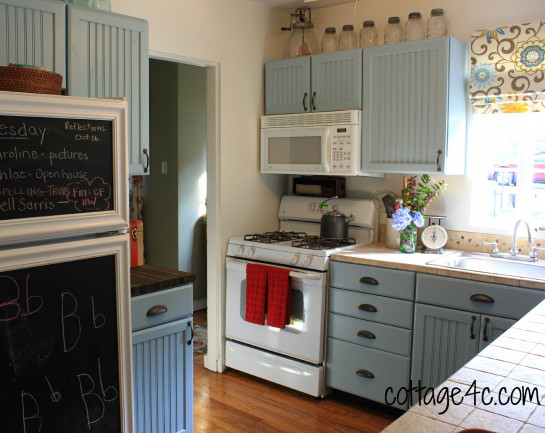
pixel 29 79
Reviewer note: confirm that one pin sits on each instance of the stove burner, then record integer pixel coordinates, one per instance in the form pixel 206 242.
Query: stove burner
pixel 322 243
pixel 274 237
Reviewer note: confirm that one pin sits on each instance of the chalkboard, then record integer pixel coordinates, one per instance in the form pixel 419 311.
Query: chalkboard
pixel 59 348
pixel 55 166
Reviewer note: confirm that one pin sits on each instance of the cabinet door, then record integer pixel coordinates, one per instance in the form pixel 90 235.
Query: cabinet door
pixel 287 86
pixel 33 33
pixel 491 328
pixel 443 341
pixel 405 87
pixel 108 57
pixel 336 81
pixel 162 359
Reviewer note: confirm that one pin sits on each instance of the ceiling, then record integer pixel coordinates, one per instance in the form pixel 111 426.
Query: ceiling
pixel 289 5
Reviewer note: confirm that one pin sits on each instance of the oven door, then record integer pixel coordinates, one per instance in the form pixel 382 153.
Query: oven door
pixel 303 150
pixel 303 338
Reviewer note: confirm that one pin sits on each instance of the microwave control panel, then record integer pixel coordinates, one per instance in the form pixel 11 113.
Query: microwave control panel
pixel 342 145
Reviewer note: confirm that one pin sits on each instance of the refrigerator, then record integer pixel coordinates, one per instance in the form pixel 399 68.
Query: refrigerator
pixel 65 342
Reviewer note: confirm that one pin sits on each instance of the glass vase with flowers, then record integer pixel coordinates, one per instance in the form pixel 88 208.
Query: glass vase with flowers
pixel 417 197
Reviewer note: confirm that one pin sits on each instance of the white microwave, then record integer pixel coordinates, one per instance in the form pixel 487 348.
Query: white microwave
pixel 325 143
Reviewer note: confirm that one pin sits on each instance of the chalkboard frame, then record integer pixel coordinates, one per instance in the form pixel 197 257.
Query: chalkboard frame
pixel 118 245
pixel 22 230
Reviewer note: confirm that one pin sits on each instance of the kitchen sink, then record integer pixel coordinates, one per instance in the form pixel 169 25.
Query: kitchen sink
pixel 481 262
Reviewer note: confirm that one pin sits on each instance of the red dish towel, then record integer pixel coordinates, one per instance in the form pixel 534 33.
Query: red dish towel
pixel 256 289
pixel 279 297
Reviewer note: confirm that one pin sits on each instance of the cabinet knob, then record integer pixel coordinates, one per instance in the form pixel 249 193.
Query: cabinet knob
pixel 482 298
pixel 157 310
pixel 365 373
pixel 146 168
pixel 367 307
pixel 369 280
pixel 367 334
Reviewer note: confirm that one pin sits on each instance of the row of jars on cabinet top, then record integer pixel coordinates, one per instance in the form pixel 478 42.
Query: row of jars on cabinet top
pixel 393 33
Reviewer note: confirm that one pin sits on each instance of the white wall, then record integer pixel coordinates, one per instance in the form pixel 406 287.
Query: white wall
pixel 465 16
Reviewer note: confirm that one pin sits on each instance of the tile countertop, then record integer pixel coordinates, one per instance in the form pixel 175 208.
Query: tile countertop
pixel 513 361
pixel 379 255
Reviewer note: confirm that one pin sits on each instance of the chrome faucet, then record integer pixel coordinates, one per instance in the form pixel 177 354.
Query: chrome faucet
pixel 514 251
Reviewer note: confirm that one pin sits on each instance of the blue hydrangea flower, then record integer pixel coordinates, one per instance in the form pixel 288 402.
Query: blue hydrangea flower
pixel 418 219
pixel 401 218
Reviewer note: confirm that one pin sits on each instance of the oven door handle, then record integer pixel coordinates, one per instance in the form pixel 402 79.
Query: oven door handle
pixel 240 265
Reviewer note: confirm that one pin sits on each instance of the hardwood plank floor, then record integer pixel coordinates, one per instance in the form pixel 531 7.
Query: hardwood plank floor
pixel 240 403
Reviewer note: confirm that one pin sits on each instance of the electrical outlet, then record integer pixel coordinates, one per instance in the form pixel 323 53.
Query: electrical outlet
pixel 164 167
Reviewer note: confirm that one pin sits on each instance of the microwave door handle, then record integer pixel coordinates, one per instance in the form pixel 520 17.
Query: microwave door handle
pixel 327 150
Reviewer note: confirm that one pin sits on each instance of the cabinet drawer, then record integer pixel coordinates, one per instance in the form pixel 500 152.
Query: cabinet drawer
pixel 370 334
pixel 370 307
pixel 370 279
pixel 508 301
pixel 347 365
pixel 149 310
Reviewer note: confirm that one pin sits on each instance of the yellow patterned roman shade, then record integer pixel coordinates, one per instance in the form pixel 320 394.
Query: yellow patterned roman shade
pixel 508 69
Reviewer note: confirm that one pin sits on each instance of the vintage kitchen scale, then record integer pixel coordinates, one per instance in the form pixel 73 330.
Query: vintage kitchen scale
pixel 434 237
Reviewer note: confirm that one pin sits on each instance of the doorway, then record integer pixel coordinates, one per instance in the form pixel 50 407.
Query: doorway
pixel 182 191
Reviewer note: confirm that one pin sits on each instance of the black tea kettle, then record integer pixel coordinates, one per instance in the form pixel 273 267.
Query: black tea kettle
pixel 334 224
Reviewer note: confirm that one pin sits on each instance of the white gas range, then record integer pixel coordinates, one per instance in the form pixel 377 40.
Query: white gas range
pixel 293 356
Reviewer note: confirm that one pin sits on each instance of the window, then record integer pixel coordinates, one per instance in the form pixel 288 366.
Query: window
pixel 507 168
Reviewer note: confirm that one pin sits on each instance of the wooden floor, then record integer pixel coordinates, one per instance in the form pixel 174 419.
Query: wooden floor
pixel 237 402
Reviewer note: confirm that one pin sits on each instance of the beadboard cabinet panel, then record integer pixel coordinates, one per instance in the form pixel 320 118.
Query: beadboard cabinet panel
pixel 287 86
pixel 443 341
pixel 163 378
pixel 414 107
pixel 108 57
pixel 33 33
pixel 336 81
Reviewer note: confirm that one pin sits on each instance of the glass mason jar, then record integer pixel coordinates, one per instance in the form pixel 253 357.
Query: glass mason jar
pixel 407 239
pixel 303 41
pixel 103 5
pixel 437 24
pixel 348 39
pixel 414 28
pixel 330 41
pixel 393 33
pixel 80 2
pixel 368 34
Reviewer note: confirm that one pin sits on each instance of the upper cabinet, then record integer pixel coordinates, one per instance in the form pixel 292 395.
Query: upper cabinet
pixel 108 57
pixel 324 82
pixel 33 33
pixel 415 107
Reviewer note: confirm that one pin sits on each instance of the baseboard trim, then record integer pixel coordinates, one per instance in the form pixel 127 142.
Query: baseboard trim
pixel 199 304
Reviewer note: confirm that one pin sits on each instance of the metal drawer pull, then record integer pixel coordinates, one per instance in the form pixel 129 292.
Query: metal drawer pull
pixel 190 342
pixel 369 280
pixel 367 307
pixel 367 334
pixel 439 152
pixel 146 168
pixel 157 310
pixel 471 332
pixel 485 337
pixel 482 298
pixel 305 102
pixel 312 101
pixel 365 373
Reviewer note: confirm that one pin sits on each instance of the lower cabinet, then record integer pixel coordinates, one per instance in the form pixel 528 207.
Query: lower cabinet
pixel 163 378
pixel 446 339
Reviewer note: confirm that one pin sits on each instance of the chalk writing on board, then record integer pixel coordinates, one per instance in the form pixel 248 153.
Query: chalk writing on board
pixel 70 319
pixel 32 422
pixel 55 166
pixel 55 395
pixel 98 319
pixel 11 307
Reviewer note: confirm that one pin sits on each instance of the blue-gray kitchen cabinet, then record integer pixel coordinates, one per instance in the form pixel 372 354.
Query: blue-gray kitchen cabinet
pixel 336 81
pixel 414 100
pixel 163 378
pixel 323 82
pixel 287 86
pixel 444 340
pixel 108 57
pixel 33 33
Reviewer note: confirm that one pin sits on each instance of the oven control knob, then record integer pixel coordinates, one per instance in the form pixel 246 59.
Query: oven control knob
pixel 307 261
pixel 295 259
pixel 250 252
pixel 240 250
